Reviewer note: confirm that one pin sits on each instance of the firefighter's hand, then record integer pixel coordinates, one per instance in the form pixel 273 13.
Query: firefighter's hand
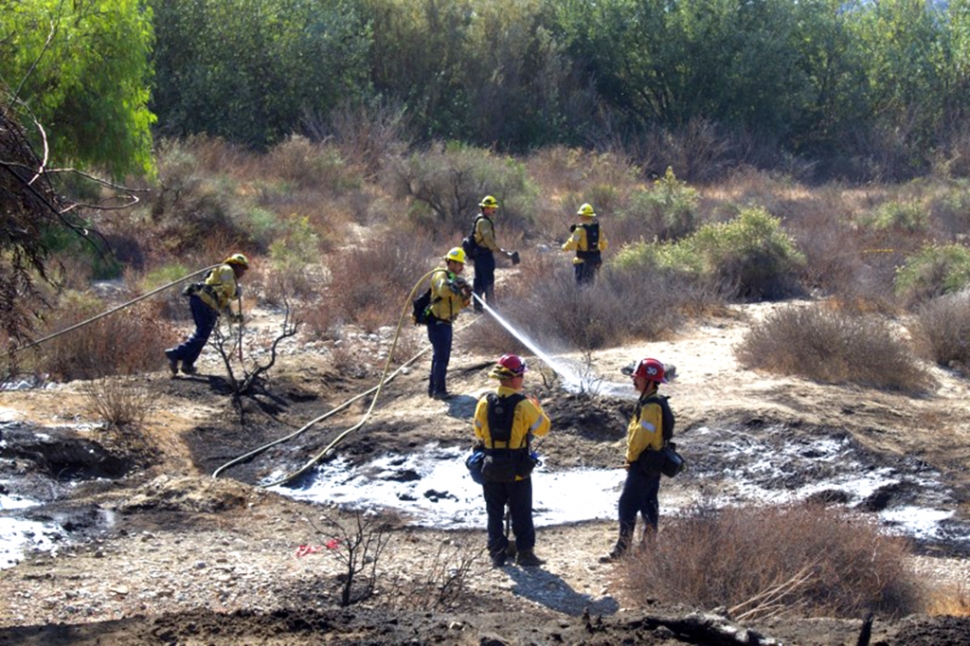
pixel 535 400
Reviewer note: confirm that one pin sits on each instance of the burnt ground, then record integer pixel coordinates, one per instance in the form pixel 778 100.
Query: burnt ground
pixel 150 549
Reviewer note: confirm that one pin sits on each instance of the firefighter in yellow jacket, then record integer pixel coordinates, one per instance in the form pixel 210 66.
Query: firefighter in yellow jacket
pixel 450 293
pixel 505 423
pixel 588 241
pixel 650 428
pixel 207 300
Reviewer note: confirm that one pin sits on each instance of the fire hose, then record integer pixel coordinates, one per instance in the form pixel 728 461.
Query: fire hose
pixel 34 344
pixel 376 390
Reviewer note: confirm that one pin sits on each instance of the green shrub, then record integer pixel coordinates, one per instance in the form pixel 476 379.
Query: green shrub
pixel 942 329
pixel 932 271
pixel 903 217
pixel 798 560
pixel 832 347
pixel 668 209
pixel 749 257
pixel 294 254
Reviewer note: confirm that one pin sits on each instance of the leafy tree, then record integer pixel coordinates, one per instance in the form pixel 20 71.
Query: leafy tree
pixel 81 69
pixel 251 75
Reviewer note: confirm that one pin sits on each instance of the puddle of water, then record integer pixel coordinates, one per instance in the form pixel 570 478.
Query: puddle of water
pixel 17 535
pixel 432 487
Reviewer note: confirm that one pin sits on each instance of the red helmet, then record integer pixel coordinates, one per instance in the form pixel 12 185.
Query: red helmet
pixel 651 370
pixel 510 365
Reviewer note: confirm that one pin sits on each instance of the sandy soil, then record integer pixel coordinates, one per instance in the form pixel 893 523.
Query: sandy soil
pixel 166 554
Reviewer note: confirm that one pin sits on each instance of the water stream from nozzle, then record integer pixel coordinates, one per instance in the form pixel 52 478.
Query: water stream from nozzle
pixel 572 380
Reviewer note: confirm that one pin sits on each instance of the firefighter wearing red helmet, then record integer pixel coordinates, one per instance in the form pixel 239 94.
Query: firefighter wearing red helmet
pixel 650 428
pixel 505 423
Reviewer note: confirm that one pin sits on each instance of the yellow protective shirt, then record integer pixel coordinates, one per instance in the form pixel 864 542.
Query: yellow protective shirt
pixel 485 234
pixel 222 288
pixel 577 242
pixel 528 419
pixel 645 429
pixel 446 303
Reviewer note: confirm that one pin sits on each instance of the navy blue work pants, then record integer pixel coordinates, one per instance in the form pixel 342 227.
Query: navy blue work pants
pixel 484 283
pixel 440 335
pixel 205 320
pixel 585 273
pixel 518 496
pixel 639 496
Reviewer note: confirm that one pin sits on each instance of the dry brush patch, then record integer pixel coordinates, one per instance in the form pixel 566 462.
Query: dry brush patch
pixel 832 347
pixel 797 560
pixel 942 331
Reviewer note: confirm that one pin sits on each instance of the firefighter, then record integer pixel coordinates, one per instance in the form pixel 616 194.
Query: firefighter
pixel 207 300
pixel 505 423
pixel 450 293
pixel 650 428
pixel 483 246
pixel 588 242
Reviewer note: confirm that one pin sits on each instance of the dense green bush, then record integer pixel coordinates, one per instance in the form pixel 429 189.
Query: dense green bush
pixel 749 257
pixel 668 208
pixel 832 347
pixel 932 271
pixel 902 217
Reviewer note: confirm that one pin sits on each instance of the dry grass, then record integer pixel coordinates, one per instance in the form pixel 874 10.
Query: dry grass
pixel 942 331
pixel 832 347
pixel 127 342
pixel 775 561
pixel 605 315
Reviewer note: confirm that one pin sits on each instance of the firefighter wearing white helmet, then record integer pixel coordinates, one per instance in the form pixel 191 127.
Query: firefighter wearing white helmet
pixel 450 293
pixel 651 427
pixel 588 241
pixel 207 300
pixel 482 245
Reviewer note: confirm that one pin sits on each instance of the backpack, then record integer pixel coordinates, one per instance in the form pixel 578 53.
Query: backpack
pixel 421 308
pixel 468 243
pixel 503 465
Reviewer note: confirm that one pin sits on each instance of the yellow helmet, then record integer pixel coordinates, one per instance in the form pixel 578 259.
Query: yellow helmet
pixel 238 259
pixel 457 255
pixel 586 210
pixel 488 202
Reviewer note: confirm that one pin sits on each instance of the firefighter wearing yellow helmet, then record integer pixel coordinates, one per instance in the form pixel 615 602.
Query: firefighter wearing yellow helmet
pixel 450 293
pixel 207 300
pixel 588 241
pixel 481 246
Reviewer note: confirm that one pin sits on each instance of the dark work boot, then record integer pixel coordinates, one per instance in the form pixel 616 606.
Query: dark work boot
pixel 498 559
pixel 188 368
pixel 173 361
pixel 528 558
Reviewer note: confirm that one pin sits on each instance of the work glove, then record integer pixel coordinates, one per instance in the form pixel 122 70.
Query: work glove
pixel 572 228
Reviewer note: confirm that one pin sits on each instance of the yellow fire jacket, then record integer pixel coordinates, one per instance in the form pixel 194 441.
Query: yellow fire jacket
pixel 445 302
pixel 485 234
pixel 645 430
pixel 220 288
pixel 529 420
pixel 577 242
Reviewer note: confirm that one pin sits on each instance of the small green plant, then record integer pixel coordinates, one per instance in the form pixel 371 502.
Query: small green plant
pixel 903 217
pixel 832 347
pixel 669 208
pixel 932 271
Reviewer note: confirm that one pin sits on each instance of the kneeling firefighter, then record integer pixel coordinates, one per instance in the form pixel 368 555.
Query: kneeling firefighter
pixel 505 423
